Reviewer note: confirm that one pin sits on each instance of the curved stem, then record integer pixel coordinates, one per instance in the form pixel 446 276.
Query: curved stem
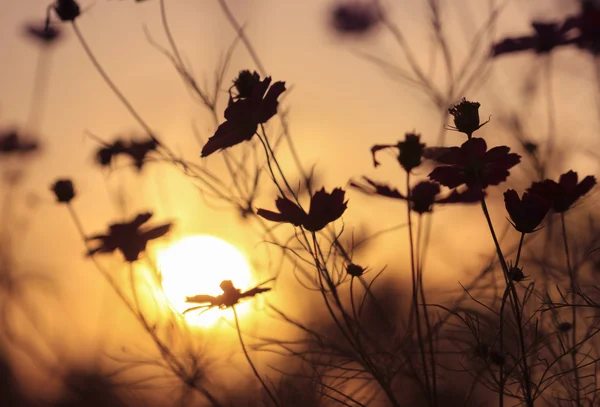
pixel 264 385
pixel 111 84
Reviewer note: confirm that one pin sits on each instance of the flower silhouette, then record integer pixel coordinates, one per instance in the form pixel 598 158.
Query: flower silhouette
pixel 587 27
pixel 44 33
pixel 12 143
pixel 546 37
pixel 254 104
pixel 66 10
pixel 410 151
pixel 230 297
pixel 564 193
pixel 528 212
pixel 423 195
pixel 136 150
pixel 128 237
pixel 357 17
pixel 324 208
pixel 472 164
pixel 63 190
pixel 466 117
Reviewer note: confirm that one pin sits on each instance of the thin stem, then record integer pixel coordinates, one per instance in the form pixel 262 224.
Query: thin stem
pixel 415 289
pixel 519 250
pixel 515 306
pixel 264 385
pixel 111 84
pixel 573 280
pixel 426 313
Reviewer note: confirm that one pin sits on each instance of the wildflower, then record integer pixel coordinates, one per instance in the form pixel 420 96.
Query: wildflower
pixel 255 104
pixel 410 151
pixel 230 297
pixel 466 117
pixel 63 190
pixel 45 33
pixel 128 237
pixel 564 193
pixel 546 37
pixel 355 17
pixel 516 274
pixel 12 143
pixel 137 150
pixel 324 208
pixel 526 213
pixel 66 10
pixel 423 195
pixel 106 153
pixel 473 165
pixel 355 270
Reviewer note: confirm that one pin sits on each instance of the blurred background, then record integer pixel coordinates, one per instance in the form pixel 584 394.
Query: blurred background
pixel 346 92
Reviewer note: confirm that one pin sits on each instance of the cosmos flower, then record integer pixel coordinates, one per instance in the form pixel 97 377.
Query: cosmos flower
pixel 324 208
pixel 410 151
pixel 45 34
pixel 423 195
pixel 136 150
pixel 564 193
pixel 526 213
pixel 230 297
pixel 11 142
pixel 254 104
pixel 472 164
pixel 356 17
pixel 545 38
pixel 63 190
pixel 466 117
pixel 129 237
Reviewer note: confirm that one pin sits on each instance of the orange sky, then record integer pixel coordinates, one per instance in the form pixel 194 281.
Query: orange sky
pixel 340 106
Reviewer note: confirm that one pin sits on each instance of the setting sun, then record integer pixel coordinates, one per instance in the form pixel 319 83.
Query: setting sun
pixel 197 265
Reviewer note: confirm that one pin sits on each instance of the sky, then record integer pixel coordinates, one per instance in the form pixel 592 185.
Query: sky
pixel 339 106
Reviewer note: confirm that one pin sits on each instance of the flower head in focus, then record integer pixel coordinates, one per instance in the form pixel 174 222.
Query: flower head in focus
pixel 324 208
pixel 526 213
pixel 466 117
pixel 255 103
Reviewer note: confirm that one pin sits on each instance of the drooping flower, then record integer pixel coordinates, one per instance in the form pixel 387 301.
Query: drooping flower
pixel 254 104
pixel 466 117
pixel 63 190
pixel 564 193
pixel 526 213
pixel 410 151
pixel 66 10
pixel 356 17
pixel 546 37
pixel 11 142
pixel 472 164
pixel 423 195
pixel 129 237
pixel 324 208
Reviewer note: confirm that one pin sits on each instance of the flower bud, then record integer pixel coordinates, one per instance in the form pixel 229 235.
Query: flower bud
pixel 63 190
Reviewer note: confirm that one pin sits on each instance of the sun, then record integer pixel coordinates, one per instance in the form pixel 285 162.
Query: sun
pixel 197 265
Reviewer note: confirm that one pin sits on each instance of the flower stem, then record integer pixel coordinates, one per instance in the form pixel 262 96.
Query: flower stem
pixel 415 289
pixel 573 281
pixel 515 306
pixel 111 84
pixel 264 385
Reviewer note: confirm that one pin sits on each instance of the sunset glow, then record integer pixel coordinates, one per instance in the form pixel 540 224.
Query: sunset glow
pixel 197 265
